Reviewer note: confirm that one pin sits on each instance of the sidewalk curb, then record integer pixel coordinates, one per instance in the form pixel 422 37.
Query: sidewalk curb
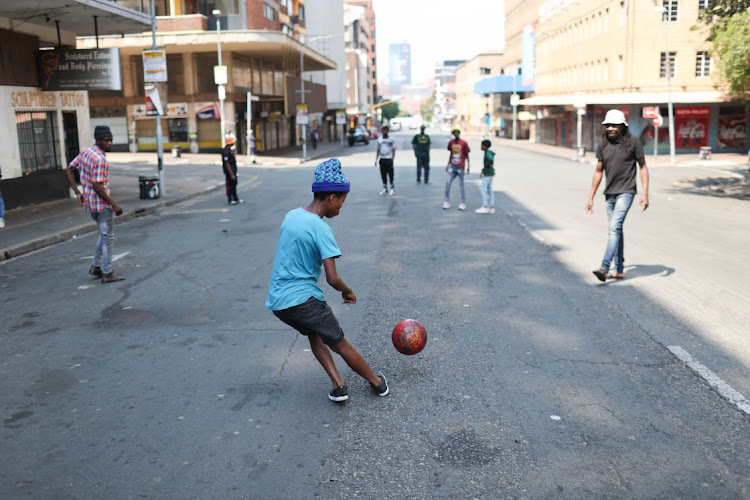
pixel 84 229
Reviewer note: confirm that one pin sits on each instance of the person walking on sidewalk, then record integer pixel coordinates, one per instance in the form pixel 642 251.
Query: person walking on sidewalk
pixel 617 156
pixel 2 203
pixel 229 165
pixel 93 168
pixel 421 145
pixel 487 174
pixel 251 147
pixel 457 161
pixel 386 151
pixel 305 244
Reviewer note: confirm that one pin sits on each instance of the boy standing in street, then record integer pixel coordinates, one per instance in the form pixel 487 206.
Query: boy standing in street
pixel 305 244
pixel 487 174
pixel 617 155
pixel 421 145
pixel 386 151
pixel 93 168
pixel 459 157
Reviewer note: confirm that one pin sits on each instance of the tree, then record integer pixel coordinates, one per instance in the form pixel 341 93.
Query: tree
pixel 718 13
pixel 731 48
pixel 390 110
pixel 427 109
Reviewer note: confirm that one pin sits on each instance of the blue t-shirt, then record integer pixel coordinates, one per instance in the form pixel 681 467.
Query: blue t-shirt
pixel 305 241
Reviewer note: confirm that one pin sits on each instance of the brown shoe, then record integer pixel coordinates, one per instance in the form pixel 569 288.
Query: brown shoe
pixel 96 271
pixel 601 274
pixel 111 278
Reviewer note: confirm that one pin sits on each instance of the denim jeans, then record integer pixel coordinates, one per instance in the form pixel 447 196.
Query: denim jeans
pixel 423 163
pixel 617 209
pixel 106 239
pixel 488 195
pixel 2 206
pixel 454 172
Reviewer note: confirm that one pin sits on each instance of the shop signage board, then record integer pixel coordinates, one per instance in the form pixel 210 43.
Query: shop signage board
pixel 74 69
pixel 154 66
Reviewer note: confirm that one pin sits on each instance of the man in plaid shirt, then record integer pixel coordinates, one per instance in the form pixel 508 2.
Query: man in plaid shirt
pixel 94 171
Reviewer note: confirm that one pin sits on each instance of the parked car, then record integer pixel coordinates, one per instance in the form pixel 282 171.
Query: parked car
pixel 373 133
pixel 358 134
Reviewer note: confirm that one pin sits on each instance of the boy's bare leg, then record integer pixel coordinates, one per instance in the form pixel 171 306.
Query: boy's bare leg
pixel 324 357
pixel 355 361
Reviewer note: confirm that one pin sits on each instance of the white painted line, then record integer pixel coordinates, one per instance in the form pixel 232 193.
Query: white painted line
pixel 713 380
pixel 114 257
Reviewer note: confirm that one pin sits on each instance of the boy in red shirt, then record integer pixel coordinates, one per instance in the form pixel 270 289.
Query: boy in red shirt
pixel 459 158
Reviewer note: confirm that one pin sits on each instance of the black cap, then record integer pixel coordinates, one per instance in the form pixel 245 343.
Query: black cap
pixel 102 131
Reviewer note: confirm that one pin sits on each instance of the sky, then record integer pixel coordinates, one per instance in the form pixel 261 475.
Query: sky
pixel 437 30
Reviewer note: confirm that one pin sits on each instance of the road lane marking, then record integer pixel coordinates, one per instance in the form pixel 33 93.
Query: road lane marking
pixel 713 380
pixel 114 257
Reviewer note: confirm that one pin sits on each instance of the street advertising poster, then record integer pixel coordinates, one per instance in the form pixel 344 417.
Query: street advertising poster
pixel 340 118
pixel 207 111
pixel 302 118
pixel 154 66
pixel 732 128
pixel 73 69
pixel 691 127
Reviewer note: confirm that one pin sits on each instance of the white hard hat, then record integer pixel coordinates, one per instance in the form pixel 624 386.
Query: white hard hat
pixel 615 117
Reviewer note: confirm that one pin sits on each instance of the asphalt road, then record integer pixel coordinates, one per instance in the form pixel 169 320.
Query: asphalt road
pixel 536 381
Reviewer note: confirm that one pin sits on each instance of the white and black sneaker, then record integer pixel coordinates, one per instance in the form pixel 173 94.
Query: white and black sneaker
pixel 339 394
pixel 382 389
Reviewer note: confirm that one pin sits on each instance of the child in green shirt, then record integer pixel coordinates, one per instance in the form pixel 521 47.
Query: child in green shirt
pixel 487 174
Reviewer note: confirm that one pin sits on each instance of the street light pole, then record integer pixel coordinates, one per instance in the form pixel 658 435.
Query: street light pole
pixel 668 69
pixel 302 93
pixel 221 89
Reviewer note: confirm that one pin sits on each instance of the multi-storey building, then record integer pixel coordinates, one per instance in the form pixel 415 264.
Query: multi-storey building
pixel 325 35
pixel 371 53
pixel 474 110
pixel 593 55
pixel 445 90
pixel 44 107
pixel 359 22
pixel 264 57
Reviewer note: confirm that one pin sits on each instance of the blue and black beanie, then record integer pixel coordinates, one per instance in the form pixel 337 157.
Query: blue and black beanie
pixel 330 178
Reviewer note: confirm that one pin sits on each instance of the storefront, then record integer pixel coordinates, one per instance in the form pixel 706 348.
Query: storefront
pixel 40 132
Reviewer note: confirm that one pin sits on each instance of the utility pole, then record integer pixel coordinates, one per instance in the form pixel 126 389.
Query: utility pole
pixel 159 145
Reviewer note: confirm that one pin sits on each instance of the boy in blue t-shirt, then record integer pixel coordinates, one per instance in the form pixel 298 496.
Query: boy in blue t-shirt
pixel 305 244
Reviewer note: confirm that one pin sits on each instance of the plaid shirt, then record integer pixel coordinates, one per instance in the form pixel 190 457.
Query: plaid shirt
pixel 93 167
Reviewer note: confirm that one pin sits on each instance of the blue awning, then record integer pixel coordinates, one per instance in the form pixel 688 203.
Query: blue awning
pixel 502 83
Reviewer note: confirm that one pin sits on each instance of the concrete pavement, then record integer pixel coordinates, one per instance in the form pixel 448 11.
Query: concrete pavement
pixel 33 227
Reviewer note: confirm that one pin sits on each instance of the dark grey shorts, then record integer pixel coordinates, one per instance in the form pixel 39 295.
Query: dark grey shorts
pixel 313 317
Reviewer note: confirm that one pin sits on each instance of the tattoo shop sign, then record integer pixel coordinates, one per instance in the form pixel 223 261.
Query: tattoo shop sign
pixel 72 69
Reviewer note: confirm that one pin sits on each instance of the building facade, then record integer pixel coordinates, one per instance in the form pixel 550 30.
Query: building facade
pixel 594 55
pixel 44 105
pixel 445 91
pixel 359 25
pixel 264 65
pixel 474 110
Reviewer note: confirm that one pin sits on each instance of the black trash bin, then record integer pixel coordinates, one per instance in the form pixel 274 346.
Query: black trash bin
pixel 177 152
pixel 149 185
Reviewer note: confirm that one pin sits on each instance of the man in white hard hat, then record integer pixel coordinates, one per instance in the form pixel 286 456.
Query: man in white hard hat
pixel 617 156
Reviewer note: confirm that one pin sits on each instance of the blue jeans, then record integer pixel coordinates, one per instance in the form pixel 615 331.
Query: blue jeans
pixel 454 172
pixel 488 195
pixel 2 206
pixel 617 209
pixel 105 242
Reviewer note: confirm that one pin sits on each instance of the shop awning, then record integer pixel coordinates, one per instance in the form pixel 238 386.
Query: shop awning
pixel 625 98
pixel 74 16
pixel 268 46
pixel 502 83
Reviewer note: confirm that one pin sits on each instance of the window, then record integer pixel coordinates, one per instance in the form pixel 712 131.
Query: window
pixel 702 64
pixel 665 62
pixel 702 4
pixel 301 12
pixel 37 140
pixel 269 12
pixel 670 10
pixel 485 71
